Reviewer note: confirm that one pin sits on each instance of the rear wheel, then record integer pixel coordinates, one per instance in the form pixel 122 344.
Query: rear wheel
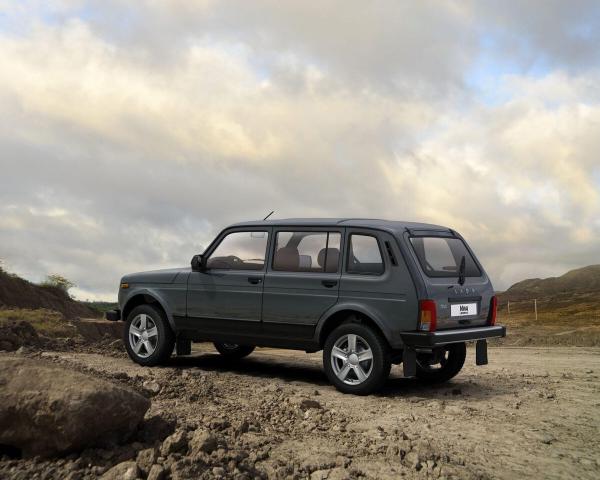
pixel 148 337
pixel 442 364
pixel 356 359
pixel 233 350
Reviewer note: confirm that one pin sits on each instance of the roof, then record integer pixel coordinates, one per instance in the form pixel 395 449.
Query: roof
pixel 389 225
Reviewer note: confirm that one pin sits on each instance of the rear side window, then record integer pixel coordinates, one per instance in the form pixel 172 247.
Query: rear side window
pixel 307 252
pixel 442 256
pixel 364 255
pixel 240 251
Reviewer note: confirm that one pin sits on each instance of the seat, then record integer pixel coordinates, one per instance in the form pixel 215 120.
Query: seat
pixel 333 257
pixel 287 258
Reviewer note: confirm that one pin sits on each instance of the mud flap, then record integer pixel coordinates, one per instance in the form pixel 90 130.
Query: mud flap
pixel 183 346
pixel 409 362
pixel 481 352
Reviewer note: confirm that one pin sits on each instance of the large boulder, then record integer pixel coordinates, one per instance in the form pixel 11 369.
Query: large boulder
pixel 47 410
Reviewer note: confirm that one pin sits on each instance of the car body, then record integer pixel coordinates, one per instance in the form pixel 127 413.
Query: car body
pixel 418 288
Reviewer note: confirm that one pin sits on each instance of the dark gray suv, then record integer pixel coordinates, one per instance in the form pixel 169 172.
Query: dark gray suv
pixel 369 293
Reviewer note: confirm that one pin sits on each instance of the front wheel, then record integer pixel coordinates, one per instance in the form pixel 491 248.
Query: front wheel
pixel 148 337
pixel 356 359
pixel 442 364
pixel 233 351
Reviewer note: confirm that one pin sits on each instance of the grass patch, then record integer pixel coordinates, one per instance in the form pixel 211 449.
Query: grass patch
pixel 46 322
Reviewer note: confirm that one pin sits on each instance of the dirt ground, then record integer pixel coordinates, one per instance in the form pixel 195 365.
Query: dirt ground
pixel 531 413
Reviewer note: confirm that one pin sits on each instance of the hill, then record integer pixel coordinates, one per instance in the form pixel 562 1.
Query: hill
pixel 579 281
pixel 16 292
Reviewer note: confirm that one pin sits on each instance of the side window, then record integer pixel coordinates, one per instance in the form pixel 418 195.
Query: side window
pixel 364 256
pixel 307 252
pixel 240 251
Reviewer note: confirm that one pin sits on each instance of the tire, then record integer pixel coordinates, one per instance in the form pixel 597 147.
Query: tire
pixel 451 362
pixel 158 347
pixel 233 351
pixel 344 370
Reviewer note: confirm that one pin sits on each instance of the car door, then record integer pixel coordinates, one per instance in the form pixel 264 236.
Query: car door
pixel 375 277
pixel 302 280
pixel 227 297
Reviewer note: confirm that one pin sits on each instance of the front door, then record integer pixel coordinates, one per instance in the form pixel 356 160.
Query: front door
pixel 302 280
pixel 227 297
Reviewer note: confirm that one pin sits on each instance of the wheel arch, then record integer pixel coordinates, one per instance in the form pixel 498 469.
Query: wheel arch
pixel 146 297
pixel 338 316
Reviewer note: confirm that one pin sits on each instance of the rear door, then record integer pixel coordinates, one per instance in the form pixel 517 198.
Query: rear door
pixel 302 280
pixel 440 255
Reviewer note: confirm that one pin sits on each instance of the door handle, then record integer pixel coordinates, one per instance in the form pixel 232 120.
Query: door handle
pixel 329 283
pixel 255 280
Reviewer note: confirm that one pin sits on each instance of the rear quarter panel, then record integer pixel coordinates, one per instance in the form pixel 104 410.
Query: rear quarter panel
pixel 389 299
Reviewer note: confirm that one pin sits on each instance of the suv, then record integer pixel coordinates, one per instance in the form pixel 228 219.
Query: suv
pixel 369 293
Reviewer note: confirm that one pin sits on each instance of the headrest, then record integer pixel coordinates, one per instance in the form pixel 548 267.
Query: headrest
pixel 333 256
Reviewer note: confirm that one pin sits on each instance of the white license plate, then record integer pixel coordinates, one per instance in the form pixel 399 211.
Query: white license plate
pixel 463 309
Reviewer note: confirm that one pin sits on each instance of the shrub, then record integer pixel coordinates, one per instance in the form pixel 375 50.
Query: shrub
pixel 58 281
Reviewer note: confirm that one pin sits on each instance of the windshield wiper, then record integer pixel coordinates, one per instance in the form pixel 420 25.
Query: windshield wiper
pixel 461 271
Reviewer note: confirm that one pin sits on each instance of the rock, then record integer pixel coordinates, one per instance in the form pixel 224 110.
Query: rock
pixel 122 471
pixel 456 391
pixel 156 473
pixel 338 474
pixel 319 475
pixel 145 459
pixel 175 443
pixel 152 386
pixel 17 333
pixel 547 439
pixel 218 471
pixel 203 441
pixel 46 410
pixel 305 404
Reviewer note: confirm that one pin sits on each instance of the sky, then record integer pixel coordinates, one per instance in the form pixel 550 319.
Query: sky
pixel 131 133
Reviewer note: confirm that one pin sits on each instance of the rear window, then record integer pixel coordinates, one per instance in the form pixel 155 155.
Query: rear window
pixel 441 256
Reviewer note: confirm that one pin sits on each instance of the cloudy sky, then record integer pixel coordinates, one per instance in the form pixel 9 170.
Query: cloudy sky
pixel 132 132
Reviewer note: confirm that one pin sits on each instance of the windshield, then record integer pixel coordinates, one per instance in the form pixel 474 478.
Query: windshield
pixel 442 256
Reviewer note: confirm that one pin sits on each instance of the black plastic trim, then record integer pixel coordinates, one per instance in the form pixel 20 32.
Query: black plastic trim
pixel 432 339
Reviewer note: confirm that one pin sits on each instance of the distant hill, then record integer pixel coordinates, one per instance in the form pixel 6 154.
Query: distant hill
pixel 579 281
pixel 16 292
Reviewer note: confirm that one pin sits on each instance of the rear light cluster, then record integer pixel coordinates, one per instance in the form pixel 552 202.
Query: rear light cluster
pixel 427 316
pixel 493 311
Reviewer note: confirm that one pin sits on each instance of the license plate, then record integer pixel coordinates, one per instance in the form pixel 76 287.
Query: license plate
pixel 463 309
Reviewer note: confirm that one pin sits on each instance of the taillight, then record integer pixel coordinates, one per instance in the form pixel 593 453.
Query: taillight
pixel 493 311
pixel 427 315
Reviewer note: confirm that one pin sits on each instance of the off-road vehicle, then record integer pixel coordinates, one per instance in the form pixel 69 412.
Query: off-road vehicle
pixel 369 293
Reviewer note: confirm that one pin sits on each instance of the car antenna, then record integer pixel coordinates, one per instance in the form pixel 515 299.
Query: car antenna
pixel 269 215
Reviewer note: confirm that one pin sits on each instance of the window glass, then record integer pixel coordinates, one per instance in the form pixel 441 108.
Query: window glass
pixel 307 251
pixel 364 255
pixel 240 251
pixel 442 256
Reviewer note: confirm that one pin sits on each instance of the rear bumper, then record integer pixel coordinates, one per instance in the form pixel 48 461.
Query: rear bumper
pixel 113 315
pixel 444 337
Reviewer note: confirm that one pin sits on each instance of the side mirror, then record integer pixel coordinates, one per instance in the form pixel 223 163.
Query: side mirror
pixel 199 263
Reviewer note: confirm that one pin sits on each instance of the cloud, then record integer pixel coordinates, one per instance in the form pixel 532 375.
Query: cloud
pixel 132 135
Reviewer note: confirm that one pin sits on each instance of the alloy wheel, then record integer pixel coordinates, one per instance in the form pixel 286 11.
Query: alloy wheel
pixel 352 359
pixel 143 335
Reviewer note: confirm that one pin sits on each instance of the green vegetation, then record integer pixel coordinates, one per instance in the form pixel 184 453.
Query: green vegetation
pixel 101 307
pixel 46 322
pixel 58 281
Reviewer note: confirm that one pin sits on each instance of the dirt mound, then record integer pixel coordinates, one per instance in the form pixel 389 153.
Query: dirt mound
pixel 17 292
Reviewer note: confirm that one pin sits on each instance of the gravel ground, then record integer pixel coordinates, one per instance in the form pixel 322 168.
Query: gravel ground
pixel 531 413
